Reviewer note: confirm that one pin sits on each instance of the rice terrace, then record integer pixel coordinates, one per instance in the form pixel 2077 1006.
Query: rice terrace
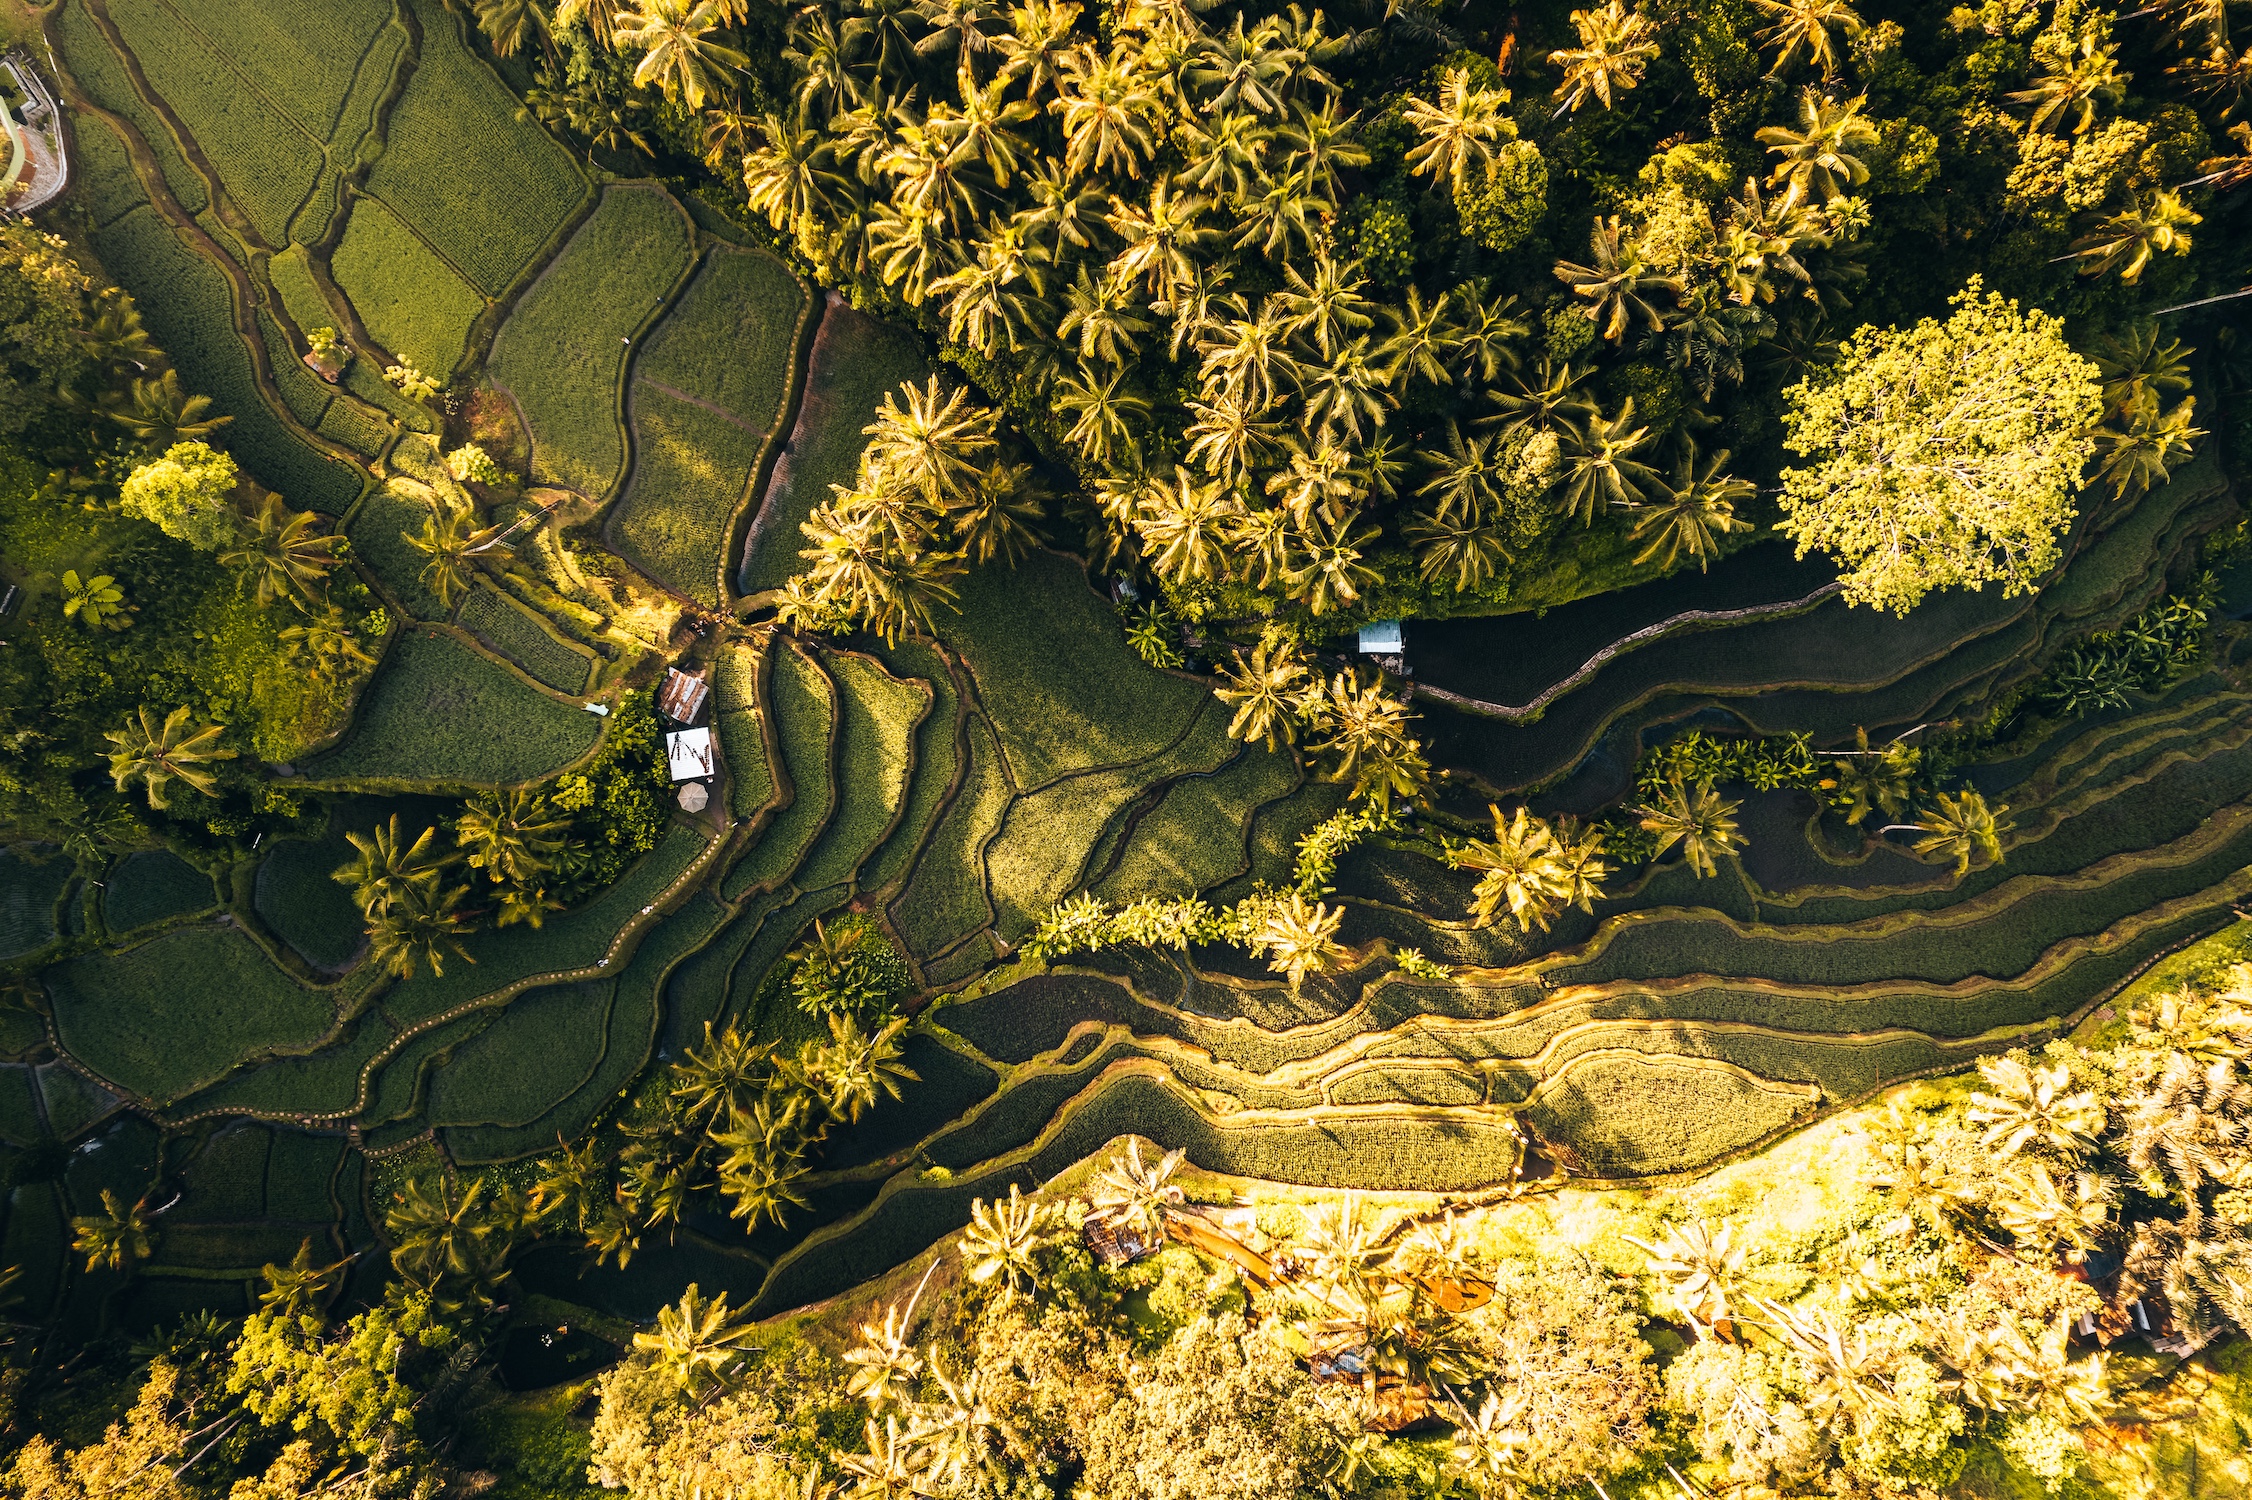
pixel 1172 749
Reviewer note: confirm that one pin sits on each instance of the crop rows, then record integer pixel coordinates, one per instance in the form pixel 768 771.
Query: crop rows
pixel 520 635
pixel 411 302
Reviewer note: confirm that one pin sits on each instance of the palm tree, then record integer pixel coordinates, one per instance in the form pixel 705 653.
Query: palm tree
pixel 1467 481
pixel 1696 818
pixel 118 1237
pixel 421 926
pixel 894 1465
pixel 855 1070
pixel 1283 216
pixel 1813 27
pixel 1550 399
pixel 956 26
pixel 282 552
pixel 678 54
pixel 962 1424
pixel 2184 1129
pixel 600 16
pixel 1616 44
pixel 792 177
pixel 453 542
pixel 823 57
pixel 387 867
pixel 1863 780
pixel 1243 68
pixel 1467 553
pixel 2074 81
pixel 1524 869
pixel 695 1340
pixel 1004 1240
pixel 1460 131
pixel 1702 1270
pixel 1227 155
pixel 1297 937
pixel 1693 510
pixel 508 24
pixel 328 644
pixel 763 1171
pixel 1817 159
pixel 2126 241
pixel 1488 1447
pixel 298 1289
pixel 2138 367
pixel 2023 1106
pixel 449 1237
pixel 1137 1197
pixel 1619 285
pixel 1366 732
pixel 513 836
pixel 886 1368
pixel 1162 239
pixel 1230 440
pixel 113 335
pixel 94 602
pixel 1348 390
pixel 1422 341
pixel 1264 686
pixel 1102 318
pixel 1326 569
pixel 1104 414
pixel 161 414
pixel 2043 1213
pixel 1001 517
pixel 1040 35
pixel 1106 110
pixel 156 755
pixel 1186 527
pixel 1601 470
pixel 2139 456
pixel 578 1183
pixel 933 444
pixel 1959 826
pixel 1329 308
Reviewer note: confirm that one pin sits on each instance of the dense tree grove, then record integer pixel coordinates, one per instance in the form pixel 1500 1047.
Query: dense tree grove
pixel 1342 314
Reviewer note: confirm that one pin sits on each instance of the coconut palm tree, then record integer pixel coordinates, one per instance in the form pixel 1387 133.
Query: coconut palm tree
pixel 1351 388
pixel 1162 240
pixel 886 1367
pixel 1105 414
pixel 509 24
pixel 1619 285
pixel 159 413
pixel 2138 367
pixel 1467 480
pixel 513 836
pixel 1465 553
pixel 678 53
pixel 2184 1130
pixel 695 1340
pixel 762 1174
pixel 1460 131
pixel 1616 44
pixel 933 444
pixel 1041 33
pixel 1600 469
pixel 1186 526
pixel 1297 937
pixel 1817 161
pixel 1811 27
pixel 113 334
pixel 1546 399
pixel 1698 820
pixel 444 1232
pixel 388 866
pixel 1960 826
pixel 793 177
pixel 421 926
pixel 1488 1448
pixel 2126 241
pixel 328 645
pixel 2023 1106
pixel 158 754
pixel 1702 1269
pixel 2074 81
pixel 2139 456
pixel 1693 510
pixel 298 1289
pixel 119 1237
pixel 1326 568
pixel 1001 517
pixel 1264 687
pixel 1004 1240
pixel 1138 1197
pixel 895 1465
pixel 1102 319
pixel 1365 732
pixel 1230 439
pixel 1422 341
pixel 2045 1212
pixel 1863 780
pixel 1524 871
pixel 1282 216
pixel 855 1070
pixel 454 544
pixel 282 552
pixel 1107 112
pixel 578 1184
pixel 600 16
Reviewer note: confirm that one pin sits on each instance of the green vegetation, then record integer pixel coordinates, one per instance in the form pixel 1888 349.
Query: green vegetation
pixel 151 887
pixel 412 302
pixel 562 352
pixel 174 1013
pixel 439 712
pixel 504 624
pixel 691 468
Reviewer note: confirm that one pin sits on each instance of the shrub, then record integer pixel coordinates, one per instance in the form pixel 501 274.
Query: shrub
pixel 1502 212
pixel 185 494
pixel 848 967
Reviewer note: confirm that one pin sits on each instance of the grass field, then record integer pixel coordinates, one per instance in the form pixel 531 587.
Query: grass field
pixel 28 893
pixel 186 306
pixel 303 58
pixel 516 633
pixel 439 712
pixel 484 185
pixel 731 339
pixel 804 713
pixel 945 897
pixel 379 532
pixel 178 1011
pixel 742 734
pixel 691 467
pixel 267 160
pixel 151 886
pixel 305 908
pixel 563 350
pixel 855 359
pixel 99 71
pixel 411 301
pixel 875 753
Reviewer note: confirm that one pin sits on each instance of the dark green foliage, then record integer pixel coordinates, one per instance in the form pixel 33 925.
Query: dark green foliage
pixel 848 967
pixel 620 796
pixel 304 907
pixel 691 466
pixel 28 892
pixel 176 1012
pixel 152 886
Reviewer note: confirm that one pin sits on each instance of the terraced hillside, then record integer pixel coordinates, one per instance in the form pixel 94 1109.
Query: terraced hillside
pixel 684 401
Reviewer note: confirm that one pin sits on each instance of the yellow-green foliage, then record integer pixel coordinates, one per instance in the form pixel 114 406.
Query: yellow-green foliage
pixel 412 302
